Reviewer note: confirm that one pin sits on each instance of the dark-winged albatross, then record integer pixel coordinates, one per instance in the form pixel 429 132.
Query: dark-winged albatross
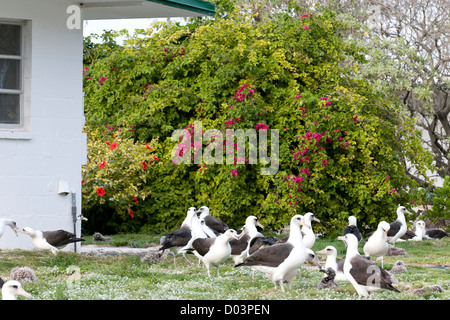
pixel 377 245
pixel 435 234
pixel 281 261
pixel 214 251
pixel 11 289
pixel 352 228
pixel 331 262
pixel 398 227
pixel 178 239
pixel 51 240
pixel 212 222
pixel 363 274
pixel 7 222
pixel 240 247
pixel 309 238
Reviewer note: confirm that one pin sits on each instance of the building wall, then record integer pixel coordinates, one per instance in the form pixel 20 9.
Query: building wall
pixel 52 148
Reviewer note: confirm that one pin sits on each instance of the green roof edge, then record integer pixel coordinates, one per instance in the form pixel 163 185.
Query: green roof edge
pixel 198 6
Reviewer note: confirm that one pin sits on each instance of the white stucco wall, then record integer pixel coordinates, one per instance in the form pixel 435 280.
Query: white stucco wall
pixel 52 148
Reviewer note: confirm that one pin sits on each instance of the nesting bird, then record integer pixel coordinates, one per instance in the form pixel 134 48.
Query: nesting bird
pixel 23 274
pixel 377 244
pixel 363 274
pixel 281 261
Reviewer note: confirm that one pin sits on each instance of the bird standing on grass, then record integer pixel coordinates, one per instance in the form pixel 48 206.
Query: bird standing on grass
pixel 363 274
pixel 377 244
pixel 51 240
pixel 281 261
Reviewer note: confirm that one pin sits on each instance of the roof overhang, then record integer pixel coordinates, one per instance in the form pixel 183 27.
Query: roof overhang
pixel 133 9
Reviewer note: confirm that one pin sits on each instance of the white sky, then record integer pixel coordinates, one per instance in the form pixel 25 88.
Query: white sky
pixel 97 26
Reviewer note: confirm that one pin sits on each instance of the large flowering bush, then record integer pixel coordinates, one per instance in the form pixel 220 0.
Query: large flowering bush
pixel 342 148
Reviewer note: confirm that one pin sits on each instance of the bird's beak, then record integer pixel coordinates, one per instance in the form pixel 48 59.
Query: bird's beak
pixel 23 293
pixel 259 225
pixel 316 262
pixel 315 219
pixel 385 235
pixel 321 251
pixel 239 236
pixel 16 230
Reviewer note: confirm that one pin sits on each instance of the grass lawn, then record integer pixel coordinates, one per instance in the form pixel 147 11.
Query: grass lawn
pixel 74 276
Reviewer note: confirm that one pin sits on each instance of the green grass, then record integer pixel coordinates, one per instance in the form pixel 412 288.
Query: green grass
pixel 73 276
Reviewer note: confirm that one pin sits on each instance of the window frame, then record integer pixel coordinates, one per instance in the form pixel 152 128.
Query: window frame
pixel 25 70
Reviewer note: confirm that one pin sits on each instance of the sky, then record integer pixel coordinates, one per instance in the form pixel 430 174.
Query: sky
pixel 97 26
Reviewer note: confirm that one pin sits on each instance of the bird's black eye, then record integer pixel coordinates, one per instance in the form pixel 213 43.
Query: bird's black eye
pixel 15 287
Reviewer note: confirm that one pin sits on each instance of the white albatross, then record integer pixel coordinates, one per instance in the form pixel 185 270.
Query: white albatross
pixel 377 244
pixel 309 238
pixel 51 240
pixel 214 251
pixel 281 261
pixel 11 289
pixel 7 222
pixel 331 262
pixel 363 274
pixel 175 241
pixel 398 227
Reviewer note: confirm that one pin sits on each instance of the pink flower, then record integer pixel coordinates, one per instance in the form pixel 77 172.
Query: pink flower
pixel 234 172
pixel 324 162
pixel 103 79
pixel 306 28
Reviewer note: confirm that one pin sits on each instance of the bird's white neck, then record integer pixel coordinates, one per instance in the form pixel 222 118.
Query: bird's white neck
pixel 295 235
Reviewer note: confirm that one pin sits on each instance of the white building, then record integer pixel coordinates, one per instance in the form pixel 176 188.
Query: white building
pixel 42 146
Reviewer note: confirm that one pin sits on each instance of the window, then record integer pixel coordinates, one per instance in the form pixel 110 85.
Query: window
pixel 12 66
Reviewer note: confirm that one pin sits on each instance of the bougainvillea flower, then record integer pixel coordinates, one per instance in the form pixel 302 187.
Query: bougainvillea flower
pixel 102 165
pixel 135 199
pixel 113 145
pixel 101 192
pixel 144 165
pixel 306 28
pixel 131 213
pixel 147 146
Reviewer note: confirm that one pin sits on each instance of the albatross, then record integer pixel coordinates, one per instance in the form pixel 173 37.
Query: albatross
pixel 240 247
pixel 7 222
pixel 377 244
pixel 214 251
pixel 363 274
pixel 281 261
pixel 214 223
pixel 398 227
pixel 11 289
pixel 336 265
pixel 51 240
pixel 352 228
pixel 309 238
pixel 178 239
